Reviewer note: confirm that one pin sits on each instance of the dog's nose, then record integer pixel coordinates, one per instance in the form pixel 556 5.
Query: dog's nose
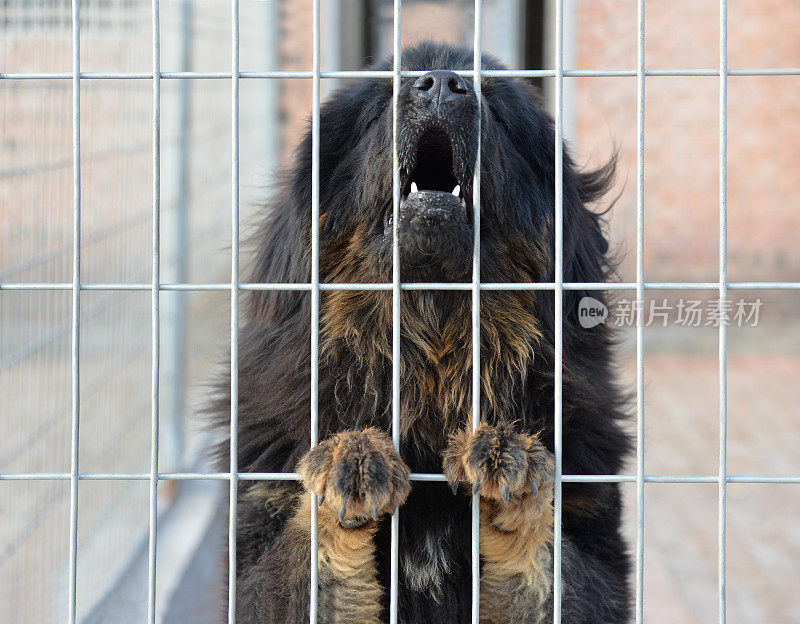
pixel 441 86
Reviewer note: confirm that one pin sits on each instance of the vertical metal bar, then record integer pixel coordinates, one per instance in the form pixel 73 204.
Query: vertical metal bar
pixel 723 295
pixel 314 321
pixel 640 76
pixel 476 310
pixel 234 442
pixel 155 318
pixel 174 266
pixel 395 528
pixel 559 303
pixel 76 308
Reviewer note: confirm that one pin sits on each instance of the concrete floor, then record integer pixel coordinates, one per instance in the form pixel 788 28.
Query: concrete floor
pixel 763 543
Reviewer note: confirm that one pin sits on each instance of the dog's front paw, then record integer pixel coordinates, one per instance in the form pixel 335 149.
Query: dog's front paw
pixel 498 462
pixel 358 474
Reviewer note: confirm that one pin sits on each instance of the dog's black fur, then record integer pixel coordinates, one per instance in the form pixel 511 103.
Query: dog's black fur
pixel 517 244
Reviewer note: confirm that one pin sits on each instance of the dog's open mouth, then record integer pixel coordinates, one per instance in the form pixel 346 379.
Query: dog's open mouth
pixel 431 190
pixel 433 169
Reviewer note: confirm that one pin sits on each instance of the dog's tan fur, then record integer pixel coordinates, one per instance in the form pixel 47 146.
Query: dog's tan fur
pixel 347 518
pixel 516 515
pixel 516 545
pixel 346 565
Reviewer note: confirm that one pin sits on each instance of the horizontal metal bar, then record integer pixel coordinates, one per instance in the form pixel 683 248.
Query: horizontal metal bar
pixel 414 476
pixel 142 476
pixel 422 476
pixel 411 286
pixel 494 73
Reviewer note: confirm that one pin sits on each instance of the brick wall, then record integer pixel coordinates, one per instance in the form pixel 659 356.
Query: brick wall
pixel 682 141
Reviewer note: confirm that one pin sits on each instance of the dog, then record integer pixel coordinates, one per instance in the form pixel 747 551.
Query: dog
pixel 355 471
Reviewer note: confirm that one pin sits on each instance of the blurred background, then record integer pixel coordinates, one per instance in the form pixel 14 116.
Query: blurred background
pixel 681 244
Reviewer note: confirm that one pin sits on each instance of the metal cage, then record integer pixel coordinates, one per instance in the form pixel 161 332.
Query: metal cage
pixel 155 286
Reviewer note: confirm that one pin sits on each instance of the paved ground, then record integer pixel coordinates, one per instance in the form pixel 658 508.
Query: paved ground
pixel 681 520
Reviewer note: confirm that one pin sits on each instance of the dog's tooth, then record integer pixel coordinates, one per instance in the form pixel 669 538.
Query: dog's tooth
pixel 414 187
pixel 457 190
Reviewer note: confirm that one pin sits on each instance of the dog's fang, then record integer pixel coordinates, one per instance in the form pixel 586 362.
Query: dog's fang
pixel 506 493
pixel 457 190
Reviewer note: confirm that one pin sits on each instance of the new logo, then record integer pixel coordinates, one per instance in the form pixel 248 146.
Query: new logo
pixel 591 312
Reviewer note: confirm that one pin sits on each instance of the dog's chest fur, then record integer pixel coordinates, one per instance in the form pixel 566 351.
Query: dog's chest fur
pixel 436 355
pixel 426 562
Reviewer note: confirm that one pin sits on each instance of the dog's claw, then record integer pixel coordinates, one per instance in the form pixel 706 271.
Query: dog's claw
pixel 375 513
pixel 506 493
pixel 320 500
pixel 454 487
pixel 535 489
pixel 342 513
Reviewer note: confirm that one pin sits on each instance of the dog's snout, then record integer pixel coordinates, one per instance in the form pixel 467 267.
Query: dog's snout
pixel 440 86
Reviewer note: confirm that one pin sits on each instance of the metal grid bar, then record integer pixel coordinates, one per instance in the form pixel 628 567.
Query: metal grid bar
pixel 415 476
pixel 394 583
pixel 723 295
pixel 476 312
pixel 76 311
pixel 559 304
pixel 155 320
pixel 639 569
pixel 411 286
pixel 468 73
pixel 314 320
pixel 234 286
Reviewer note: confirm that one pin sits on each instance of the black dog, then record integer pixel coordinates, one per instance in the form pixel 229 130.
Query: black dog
pixel 355 471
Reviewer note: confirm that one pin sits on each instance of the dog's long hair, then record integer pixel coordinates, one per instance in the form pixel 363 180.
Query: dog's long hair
pixel 517 327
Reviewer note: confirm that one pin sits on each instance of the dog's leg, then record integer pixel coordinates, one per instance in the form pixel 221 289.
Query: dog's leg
pixel 358 476
pixel 513 473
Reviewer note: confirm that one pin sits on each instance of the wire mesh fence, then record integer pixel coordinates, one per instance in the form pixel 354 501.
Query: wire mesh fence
pixel 93 253
pixel 115 233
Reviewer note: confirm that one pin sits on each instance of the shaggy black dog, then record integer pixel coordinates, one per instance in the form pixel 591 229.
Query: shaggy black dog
pixel 355 471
